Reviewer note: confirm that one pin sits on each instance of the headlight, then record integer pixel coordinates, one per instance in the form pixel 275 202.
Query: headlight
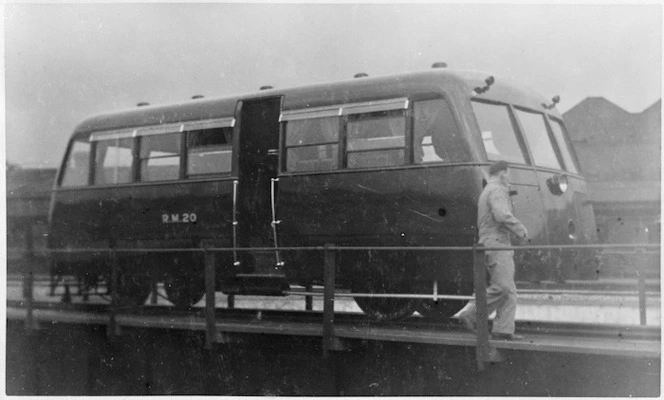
pixel 558 184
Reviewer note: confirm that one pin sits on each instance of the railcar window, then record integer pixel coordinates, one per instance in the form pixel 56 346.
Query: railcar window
pixel 113 161
pixel 538 139
pixel 557 128
pixel 498 134
pixel 209 151
pixel 77 167
pixel 376 139
pixel 436 137
pixel 160 157
pixel 312 144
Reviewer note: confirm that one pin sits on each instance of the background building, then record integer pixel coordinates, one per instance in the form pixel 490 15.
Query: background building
pixel 28 197
pixel 620 155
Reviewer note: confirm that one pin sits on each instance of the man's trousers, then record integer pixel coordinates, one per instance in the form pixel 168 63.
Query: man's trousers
pixel 501 293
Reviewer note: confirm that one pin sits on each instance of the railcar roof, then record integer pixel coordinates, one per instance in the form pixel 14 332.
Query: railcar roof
pixel 353 90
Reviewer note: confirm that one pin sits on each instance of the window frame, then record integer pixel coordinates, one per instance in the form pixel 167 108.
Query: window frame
pixel 68 154
pixel 406 115
pixel 138 133
pixel 553 143
pixel 197 125
pixel 518 133
pixel 93 169
pixel 138 177
pixel 453 113
pixel 325 112
pixel 550 120
pixel 185 161
pixel 343 111
pixel 403 104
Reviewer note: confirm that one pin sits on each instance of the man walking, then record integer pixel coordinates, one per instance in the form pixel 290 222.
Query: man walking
pixel 496 222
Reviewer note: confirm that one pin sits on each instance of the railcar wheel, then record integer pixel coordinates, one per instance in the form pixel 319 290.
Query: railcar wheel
pixel 133 288
pixel 184 288
pixel 381 309
pixel 381 274
pixel 441 310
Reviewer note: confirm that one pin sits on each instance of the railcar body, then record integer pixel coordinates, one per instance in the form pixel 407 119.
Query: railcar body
pixel 397 160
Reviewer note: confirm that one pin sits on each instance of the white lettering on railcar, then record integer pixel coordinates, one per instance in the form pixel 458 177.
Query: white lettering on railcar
pixel 181 218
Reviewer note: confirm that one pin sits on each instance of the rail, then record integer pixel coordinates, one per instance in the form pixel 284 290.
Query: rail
pixel 484 351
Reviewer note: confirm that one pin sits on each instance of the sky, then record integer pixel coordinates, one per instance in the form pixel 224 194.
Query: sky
pixel 65 62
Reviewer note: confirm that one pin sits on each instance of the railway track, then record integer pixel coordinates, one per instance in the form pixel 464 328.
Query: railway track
pixel 601 287
pixel 257 316
pixel 574 306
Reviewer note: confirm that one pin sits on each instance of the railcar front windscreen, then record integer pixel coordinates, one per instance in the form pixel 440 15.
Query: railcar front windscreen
pixel 538 139
pixel 498 134
pixel 557 129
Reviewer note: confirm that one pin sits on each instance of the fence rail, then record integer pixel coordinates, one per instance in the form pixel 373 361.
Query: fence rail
pixel 484 351
pixel 633 246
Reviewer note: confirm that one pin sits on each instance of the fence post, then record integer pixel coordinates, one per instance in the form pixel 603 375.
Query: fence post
pixel 642 288
pixel 29 280
pixel 112 323
pixel 328 299
pixel 154 291
pixel 308 300
pixel 483 350
pixel 210 303
pixel 28 294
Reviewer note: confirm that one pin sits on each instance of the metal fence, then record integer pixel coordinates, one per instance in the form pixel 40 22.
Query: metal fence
pixel 483 348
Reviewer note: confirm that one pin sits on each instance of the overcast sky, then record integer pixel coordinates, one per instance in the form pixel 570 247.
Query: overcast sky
pixel 66 62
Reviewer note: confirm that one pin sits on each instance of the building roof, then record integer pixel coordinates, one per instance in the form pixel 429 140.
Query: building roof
pixel 613 144
pixel 598 119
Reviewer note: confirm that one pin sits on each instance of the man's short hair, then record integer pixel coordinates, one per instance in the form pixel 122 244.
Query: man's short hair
pixel 497 167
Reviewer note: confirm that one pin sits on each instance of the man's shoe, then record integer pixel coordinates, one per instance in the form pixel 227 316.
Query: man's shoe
pixel 506 336
pixel 467 323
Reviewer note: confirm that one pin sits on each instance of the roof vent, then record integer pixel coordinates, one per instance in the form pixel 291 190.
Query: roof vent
pixel 361 75
pixel 439 64
pixel 142 104
pixel 266 87
pixel 197 96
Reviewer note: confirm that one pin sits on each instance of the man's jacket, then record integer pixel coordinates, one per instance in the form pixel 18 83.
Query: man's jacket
pixel 495 220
